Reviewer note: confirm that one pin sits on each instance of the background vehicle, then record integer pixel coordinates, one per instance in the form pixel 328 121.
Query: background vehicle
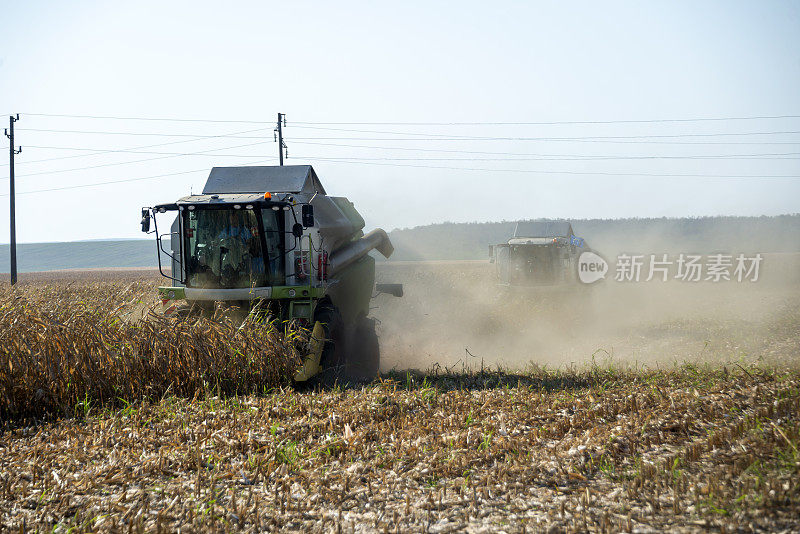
pixel 271 237
pixel 540 253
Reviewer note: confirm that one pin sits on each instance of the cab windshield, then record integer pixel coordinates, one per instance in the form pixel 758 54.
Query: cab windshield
pixel 224 249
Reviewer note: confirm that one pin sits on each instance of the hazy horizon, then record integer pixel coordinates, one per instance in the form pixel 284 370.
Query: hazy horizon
pixel 148 238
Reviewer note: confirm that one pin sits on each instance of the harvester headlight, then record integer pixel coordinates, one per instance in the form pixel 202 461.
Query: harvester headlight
pixel 275 208
pixel 190 208
pixel 249 206
pixel 291 292
pixel 237 206
pixel 171 294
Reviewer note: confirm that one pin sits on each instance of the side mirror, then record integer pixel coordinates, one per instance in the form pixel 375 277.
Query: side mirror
pixel 145 220
pixel 297 230
pixel 308 215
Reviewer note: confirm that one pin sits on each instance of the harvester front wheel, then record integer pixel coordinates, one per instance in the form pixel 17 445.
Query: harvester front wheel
pixel 333 357
pixel 365 357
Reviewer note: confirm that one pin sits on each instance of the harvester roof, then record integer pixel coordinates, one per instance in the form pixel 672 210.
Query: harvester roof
pixel 543 229
pixel 275 179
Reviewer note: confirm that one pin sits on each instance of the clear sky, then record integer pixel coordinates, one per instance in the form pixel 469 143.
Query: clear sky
pixel 393 64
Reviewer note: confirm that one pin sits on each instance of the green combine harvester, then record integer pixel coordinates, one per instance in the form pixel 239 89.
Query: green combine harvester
pixel 540 254
pixel 270 237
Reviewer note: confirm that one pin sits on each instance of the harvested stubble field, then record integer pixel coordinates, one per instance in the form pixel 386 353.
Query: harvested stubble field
pixel 605 448
pixel 601 451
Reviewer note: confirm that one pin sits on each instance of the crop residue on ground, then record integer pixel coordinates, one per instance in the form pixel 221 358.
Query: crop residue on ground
pixel 188 426
pixel 599 451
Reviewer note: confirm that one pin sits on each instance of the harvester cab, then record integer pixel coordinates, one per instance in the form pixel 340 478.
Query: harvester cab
pixel 272 237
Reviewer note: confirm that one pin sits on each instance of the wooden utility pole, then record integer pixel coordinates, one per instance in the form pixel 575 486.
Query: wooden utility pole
pixel 281 144
pixel 12 151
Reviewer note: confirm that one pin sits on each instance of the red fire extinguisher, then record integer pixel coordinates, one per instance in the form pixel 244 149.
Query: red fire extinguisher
pixel 322 266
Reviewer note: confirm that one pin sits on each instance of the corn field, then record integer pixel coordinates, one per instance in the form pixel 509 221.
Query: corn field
pixel 117 420
pixel 67 347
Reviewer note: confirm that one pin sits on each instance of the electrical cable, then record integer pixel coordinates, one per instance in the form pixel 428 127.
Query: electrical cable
pixel 144 134
pixel 481 152
pixel 403 123
pixel 101 151
pixel 95 184
pixel 569 140
pixel 548 123
pixel 167 156
pixel 532 156
pixel 160 119
pixel 434 136
pixel 493 138
pixel 577 173
pixel 599 158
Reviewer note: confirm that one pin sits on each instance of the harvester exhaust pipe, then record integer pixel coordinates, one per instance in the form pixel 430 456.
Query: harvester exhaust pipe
pixel 376 239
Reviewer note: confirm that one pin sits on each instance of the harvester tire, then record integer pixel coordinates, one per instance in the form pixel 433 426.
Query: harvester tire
pixel 364 359
pixel 333 358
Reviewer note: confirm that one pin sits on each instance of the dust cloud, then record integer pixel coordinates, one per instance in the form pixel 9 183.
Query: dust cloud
pixel 456 315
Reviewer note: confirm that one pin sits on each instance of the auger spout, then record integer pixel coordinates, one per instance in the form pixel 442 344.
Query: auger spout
pixel 376 239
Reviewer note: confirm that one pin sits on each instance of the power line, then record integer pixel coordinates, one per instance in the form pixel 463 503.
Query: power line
pixel 144 134
pixel 133 150
pixel 646 139
pixel 403 123
pixel 158 119
pixel 167 156
pixel 589 173
pixel 102 151
pixel 587 158
pixel 577 156
pixel 533 156
pixel 109 182
pixel 125 151
pixel 547 123
pixel 346 161
pixel 492 138
pixel 423 136
pixel 569 140
pixel 434 136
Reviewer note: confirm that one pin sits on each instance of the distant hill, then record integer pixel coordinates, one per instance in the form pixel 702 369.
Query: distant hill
pixel 466 241
pixel 81 255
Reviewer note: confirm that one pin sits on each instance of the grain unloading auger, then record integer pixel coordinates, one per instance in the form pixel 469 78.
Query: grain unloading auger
pixel 271 237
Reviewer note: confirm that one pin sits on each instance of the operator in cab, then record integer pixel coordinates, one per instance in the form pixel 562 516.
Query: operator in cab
pixel 240 251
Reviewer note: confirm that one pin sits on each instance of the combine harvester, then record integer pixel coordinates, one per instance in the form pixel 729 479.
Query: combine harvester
pixel 541 254
pixel 271 238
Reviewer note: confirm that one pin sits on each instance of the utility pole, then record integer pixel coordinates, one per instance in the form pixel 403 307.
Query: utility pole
pixel 11 153
pixel 281 144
